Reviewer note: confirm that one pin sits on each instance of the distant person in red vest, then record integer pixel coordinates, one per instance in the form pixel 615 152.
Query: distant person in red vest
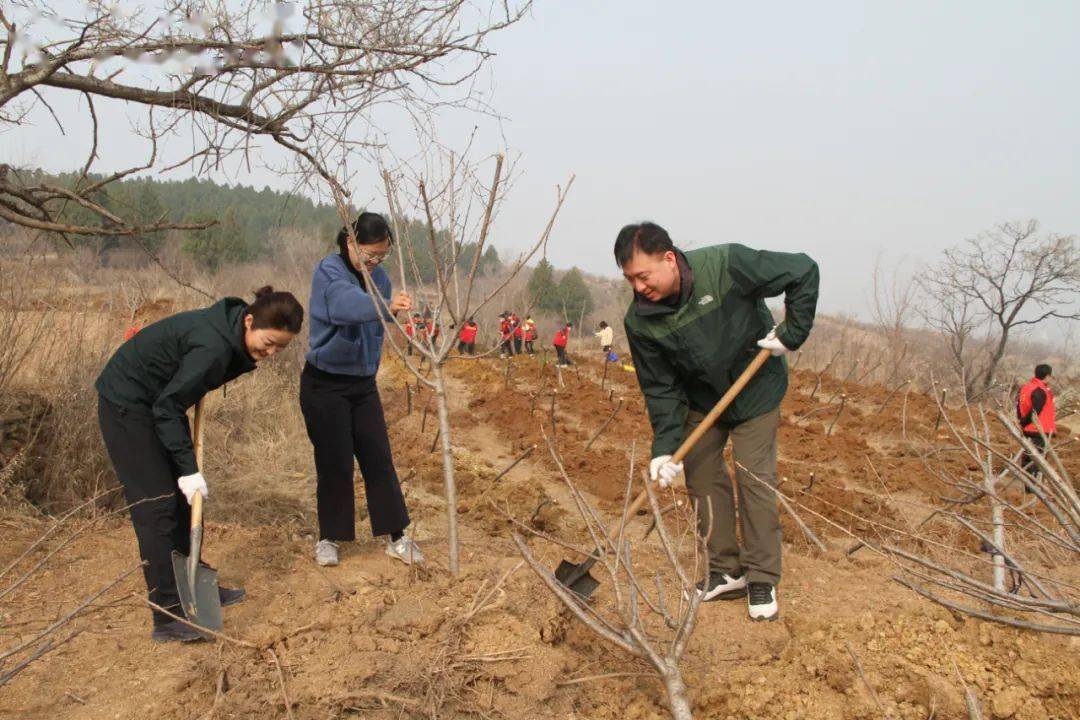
pixel 1035 410
pixel 467 338
pixel 561 338
pixel 506 333
pixel 410 329
pixel 519 332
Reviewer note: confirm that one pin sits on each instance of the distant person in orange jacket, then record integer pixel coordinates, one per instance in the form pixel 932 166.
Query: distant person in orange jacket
pixel 530 335
pixel 1035 411
pixel 506 334
pixel 467 338
pixel 562 337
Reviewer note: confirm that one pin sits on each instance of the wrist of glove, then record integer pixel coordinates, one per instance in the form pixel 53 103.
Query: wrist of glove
pixel 772 343
pixel 663 471
pixel 191 484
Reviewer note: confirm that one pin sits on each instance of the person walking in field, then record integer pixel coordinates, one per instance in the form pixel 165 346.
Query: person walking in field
pixel 144 392
pixel 606 335
pixel 519 332
pixel 696 321
pixel 411 328
pixel 467 338
pixel 1036 414
pixel 340 399
pixel 530 335
pixel 506 334
pixel 560 341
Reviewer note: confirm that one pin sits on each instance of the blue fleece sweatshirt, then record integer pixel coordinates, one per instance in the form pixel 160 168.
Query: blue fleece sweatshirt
pixel 345 332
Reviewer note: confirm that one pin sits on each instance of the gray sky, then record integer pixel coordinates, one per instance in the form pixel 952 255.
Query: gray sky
pixel 844 130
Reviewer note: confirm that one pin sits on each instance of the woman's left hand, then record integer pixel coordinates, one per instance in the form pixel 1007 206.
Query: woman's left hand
pixel 401 301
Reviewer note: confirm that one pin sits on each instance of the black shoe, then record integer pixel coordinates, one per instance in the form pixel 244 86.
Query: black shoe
pixel 722 586
pixel 231 596
pixel 175 631
pixel 762 603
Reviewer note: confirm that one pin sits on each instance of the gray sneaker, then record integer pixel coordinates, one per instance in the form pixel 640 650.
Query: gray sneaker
pixel 405 549
pixel 326 553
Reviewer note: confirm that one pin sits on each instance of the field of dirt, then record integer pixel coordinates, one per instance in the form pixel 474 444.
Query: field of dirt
pixel 373 638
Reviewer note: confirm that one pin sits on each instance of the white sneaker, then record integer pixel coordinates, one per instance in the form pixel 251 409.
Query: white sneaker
pixel 404 549
pixel 762 602
pixel 721 586
pixel 326 552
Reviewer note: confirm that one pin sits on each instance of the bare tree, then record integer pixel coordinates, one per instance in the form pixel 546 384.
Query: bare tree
pixel 1015 578
pixel 445 205
pixel 894 302
pixel 653 623
pixel 995 284
pixel 230 78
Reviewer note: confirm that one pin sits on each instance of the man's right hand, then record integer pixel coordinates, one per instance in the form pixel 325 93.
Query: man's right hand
pixel 191 484
pixel 663 471
pixel 401 301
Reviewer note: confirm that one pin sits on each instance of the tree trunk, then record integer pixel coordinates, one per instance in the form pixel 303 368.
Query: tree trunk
pixel 995 358
pixel 448 468
pixel 676 692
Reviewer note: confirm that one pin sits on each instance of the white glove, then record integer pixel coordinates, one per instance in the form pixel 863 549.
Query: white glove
pixel 664 471
pixel 191 484
pixel 771 342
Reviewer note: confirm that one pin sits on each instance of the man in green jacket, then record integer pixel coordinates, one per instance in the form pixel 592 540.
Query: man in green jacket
pixel 696 321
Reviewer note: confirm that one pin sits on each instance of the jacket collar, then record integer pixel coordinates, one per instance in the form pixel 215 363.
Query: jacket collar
pixel 645 307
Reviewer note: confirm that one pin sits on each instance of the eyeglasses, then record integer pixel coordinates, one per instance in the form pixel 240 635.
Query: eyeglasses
pixel 372 258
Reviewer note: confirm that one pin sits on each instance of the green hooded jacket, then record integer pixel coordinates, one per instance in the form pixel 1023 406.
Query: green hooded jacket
pixel 167 366
pixel 687 354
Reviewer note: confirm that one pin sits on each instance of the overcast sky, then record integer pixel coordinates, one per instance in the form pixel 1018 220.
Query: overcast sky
pixel 843 130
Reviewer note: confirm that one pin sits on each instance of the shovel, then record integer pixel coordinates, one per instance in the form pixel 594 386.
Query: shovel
pixel 576 575
pixel 197 584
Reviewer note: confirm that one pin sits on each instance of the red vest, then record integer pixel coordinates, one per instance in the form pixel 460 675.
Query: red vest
pixel 561 337
pixel 1024 407
pixel 468 334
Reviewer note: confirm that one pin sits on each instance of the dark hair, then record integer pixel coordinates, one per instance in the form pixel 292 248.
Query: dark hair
pixel 369 228
pixel 645 237
pixel 569 324
pixel 603 324
pixel 276 310
pixel 1043 371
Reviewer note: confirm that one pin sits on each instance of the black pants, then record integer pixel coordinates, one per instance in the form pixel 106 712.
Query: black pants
pixel 159 511
pixel 529 347
pixel 506 348
pixel 464 347
pixel 517 345
pixel 344 418
pixel 563 359
pixel 1026 461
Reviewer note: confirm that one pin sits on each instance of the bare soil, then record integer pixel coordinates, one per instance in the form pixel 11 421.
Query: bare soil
pixel 373 638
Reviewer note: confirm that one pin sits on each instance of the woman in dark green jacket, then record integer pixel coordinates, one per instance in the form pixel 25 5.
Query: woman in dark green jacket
pixel 144 393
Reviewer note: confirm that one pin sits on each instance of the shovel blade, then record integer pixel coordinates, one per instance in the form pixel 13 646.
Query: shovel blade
pixel 203 608
pixel 577 578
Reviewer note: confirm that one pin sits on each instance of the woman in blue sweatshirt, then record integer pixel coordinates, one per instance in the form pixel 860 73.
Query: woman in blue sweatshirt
pixel 339 398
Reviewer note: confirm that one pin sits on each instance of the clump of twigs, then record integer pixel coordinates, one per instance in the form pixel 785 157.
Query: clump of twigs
pixel 651 618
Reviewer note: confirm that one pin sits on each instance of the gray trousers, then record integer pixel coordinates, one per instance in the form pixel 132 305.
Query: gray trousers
pixel 709 484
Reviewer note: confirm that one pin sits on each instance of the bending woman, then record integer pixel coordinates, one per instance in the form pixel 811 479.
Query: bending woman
pixel 143 396
pixel 339 397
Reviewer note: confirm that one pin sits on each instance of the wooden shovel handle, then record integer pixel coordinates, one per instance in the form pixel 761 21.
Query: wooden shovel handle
pixel 197 434
pixel 197 441
pixel 708 421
